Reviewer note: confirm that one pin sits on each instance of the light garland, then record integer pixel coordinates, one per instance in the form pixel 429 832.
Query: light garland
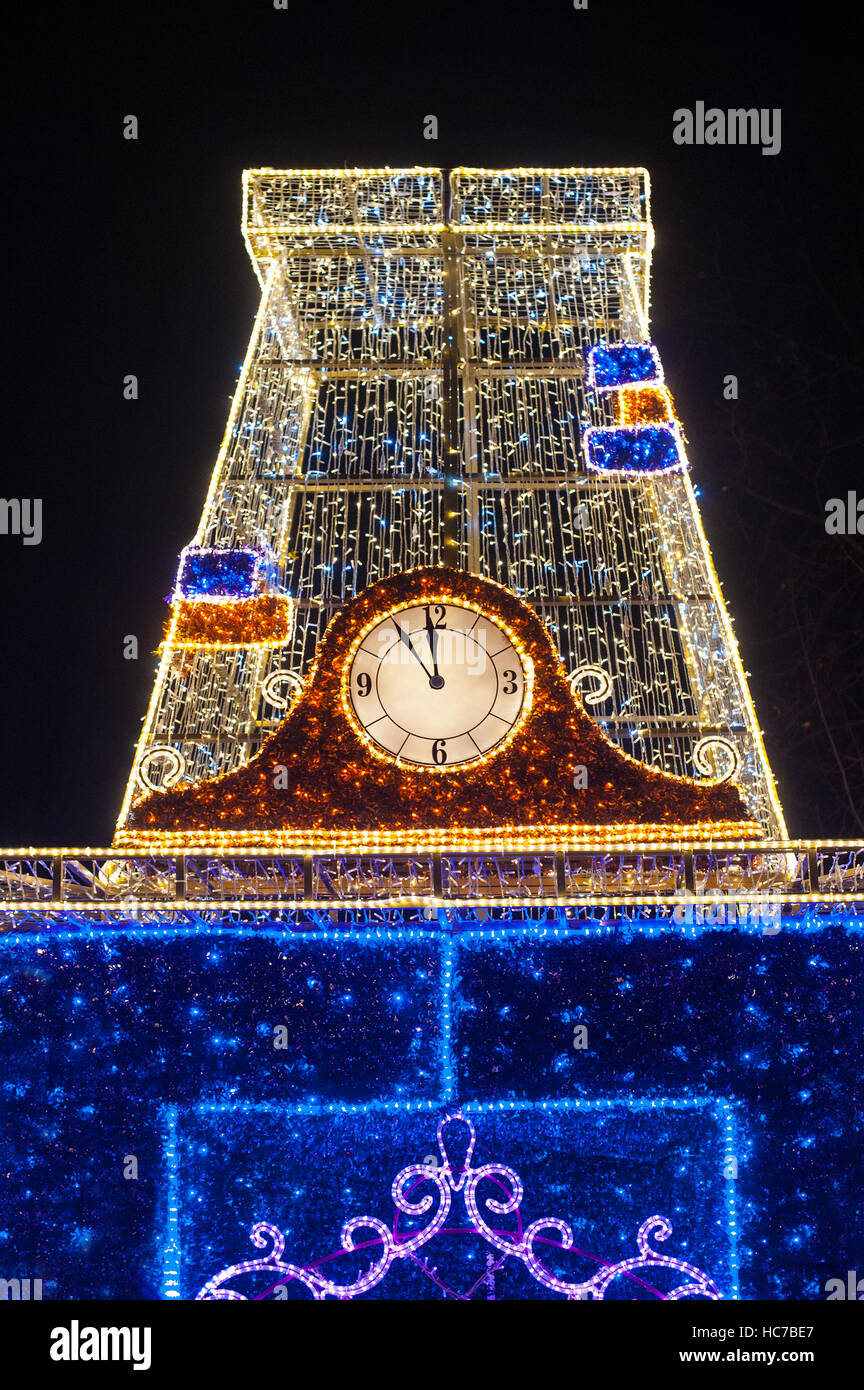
pixel 222 574
pixel 263 621
pixel 614 365
pixel 644 405
pixel 330 775
pixel 456 1176
pixel 633 449
pixel 493 839
pixel 331 456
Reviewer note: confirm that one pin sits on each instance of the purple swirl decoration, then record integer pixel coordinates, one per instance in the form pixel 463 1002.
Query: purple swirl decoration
pixel 412 1197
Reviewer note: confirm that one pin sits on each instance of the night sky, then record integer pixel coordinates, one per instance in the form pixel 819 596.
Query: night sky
pixel 127 258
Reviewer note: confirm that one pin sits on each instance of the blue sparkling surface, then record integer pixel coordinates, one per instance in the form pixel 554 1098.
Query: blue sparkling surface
pixel 218 573
pixel 636 449
pixel 337 1166
pixel 99 1033
pixel 747 1018
pixel 622 364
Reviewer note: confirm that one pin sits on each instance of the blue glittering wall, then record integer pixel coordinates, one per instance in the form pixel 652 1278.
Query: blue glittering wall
pixel 581 1165
pixel 160 1045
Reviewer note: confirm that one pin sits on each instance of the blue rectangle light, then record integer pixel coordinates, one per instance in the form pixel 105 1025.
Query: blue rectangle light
pixel 218 573
pixel 633 449
pixel 611 365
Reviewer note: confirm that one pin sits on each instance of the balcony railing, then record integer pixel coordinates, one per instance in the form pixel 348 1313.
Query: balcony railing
pixel 792 874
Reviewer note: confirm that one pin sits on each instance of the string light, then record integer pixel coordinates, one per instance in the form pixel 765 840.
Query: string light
pixel 331 456
pixel 613 365
pixel 320 771
pixel 264 621
pixel 633 449
pixel 644 405
pixel 455 1176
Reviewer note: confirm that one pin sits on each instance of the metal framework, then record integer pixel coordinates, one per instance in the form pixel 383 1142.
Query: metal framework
pixel 109 886
pixel 415 392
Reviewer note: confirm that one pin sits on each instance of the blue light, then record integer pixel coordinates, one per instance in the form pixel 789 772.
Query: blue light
pixel 622 364
pixel 633 449
pixel 470 1030
pixel 218 573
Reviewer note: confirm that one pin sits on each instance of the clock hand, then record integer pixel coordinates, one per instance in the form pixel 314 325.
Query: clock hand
pixel 410 645
pixel 436 680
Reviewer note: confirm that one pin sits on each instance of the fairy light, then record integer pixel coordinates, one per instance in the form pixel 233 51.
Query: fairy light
pixel 645 448
pixel 263 621
pixel 320 771
pixel 221 574
pixel 644 405
pixel 428 1191
pixel 612 366
pixel 331 455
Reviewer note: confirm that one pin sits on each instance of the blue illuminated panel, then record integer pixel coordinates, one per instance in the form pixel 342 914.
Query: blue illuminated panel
pixel 306 1173
pixel 105 1033
pixel 612 365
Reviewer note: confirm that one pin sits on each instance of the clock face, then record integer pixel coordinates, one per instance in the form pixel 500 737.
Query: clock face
pixel 437 685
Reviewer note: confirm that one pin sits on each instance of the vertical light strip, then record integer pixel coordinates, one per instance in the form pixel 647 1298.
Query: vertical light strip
pixel 167 653
pixel 725 1115
pixel 171 1248
pixel 778 830
pixel 273 281
pixel 448 1066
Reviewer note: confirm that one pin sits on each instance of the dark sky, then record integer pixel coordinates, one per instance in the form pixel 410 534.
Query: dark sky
pixel 127 257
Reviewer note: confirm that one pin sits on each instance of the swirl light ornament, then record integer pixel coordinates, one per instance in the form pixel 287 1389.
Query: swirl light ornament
pixel 281 688
pixel 174 767
pixel 713 750
pixel 602 689
pixel 456 1175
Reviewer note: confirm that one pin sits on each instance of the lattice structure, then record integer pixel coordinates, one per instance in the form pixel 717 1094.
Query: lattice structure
pixel 416 392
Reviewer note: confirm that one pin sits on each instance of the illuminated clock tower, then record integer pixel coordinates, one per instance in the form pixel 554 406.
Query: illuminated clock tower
pixel 452 368
pixel 450 849
pixel 448 648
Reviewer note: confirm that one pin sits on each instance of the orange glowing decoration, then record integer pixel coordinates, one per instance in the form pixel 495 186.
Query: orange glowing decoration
pixel 643 405
pixel 264 620
pixel 554 777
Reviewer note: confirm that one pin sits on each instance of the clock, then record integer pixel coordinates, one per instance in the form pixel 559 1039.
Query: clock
pixel 437 714
pixel 437 685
